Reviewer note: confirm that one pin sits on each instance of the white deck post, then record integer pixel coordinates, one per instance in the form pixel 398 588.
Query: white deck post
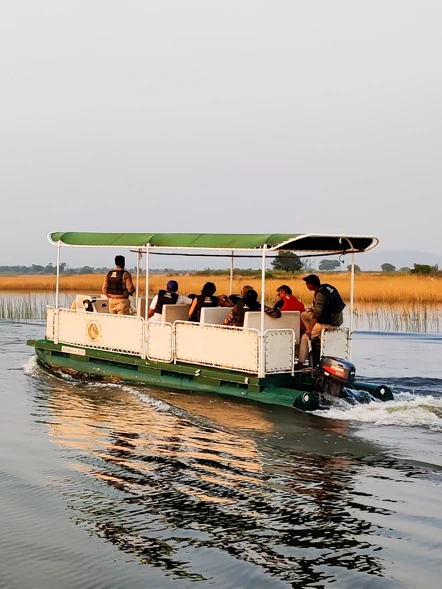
pixel 231 273
pixel 352 292
pixel 147 282
pixel 137 292
pixel 57 292
pixel 57 285
pixel 261 372
pixel 352 296
pixel 146 311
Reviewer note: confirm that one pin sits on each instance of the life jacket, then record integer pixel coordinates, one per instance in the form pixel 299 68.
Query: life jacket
pixel 115 285
pixel 335 303
pixel 202 301
pixel 241 309
pixel 165 297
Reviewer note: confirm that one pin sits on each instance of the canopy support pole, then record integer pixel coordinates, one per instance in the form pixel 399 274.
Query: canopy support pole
pixel 231 273
pixel 146 309
pixel 352 293
pixel 57 292
pixel 261 366
pixel 137 292
pixel 147 282
pixel 352 296
pixel 57 285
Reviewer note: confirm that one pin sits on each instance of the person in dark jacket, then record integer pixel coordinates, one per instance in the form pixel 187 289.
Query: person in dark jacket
pixel 169 296
pixel 249 302
pixel 207 298
pixel 326 312
pixel 117 286
pixel 234 297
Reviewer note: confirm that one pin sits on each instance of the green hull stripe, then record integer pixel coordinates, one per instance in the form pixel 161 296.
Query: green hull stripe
pixel 102 364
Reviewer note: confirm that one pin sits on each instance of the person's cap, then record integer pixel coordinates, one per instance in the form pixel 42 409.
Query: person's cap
pixel 172 285
pixel 312 279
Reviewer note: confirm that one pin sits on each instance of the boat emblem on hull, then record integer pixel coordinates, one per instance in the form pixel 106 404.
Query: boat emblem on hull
pixel 93 330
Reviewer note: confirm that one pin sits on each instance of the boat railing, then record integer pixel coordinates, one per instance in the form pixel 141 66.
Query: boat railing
pixel 336 342
pixel 50 322
pixel 279 351
pixel 217 345
pixel 104 331
pixel 159 341
pixel 233 348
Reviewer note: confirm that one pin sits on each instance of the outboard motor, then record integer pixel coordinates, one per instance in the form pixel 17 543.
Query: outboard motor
pixel 334 374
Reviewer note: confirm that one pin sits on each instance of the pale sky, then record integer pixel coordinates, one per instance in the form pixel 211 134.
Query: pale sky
pixel 236 116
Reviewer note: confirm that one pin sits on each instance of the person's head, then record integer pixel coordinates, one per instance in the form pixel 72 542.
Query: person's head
pixel 172 285
pixel 250 297
pixel 208 289
pixel 312 282
pixel 284 290
pixel 245 289
pixel 120 261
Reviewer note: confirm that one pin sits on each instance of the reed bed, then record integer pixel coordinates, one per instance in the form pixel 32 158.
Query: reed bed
pixel 28 306
pixel 412 318
pixel 403 317
pixel 369 288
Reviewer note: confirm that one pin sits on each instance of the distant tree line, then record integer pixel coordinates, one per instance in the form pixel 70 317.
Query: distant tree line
pixel 35 269
pixel 418 269
pixel 283 262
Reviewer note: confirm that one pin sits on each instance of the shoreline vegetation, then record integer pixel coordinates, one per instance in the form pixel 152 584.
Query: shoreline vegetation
pixel 369 288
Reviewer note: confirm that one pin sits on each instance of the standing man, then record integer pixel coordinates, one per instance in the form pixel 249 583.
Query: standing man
pixel 325 314
pixel 169 296
pixel 117 286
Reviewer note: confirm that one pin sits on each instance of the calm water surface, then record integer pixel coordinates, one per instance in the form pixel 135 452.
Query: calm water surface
pixel 104 485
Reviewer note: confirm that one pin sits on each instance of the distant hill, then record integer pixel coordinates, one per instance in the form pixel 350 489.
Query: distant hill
pixel 399 258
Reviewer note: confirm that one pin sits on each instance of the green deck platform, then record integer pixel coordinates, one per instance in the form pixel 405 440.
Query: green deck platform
pixel 278 389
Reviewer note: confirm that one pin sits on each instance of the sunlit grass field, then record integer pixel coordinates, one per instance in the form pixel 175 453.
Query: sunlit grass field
pixel 369 288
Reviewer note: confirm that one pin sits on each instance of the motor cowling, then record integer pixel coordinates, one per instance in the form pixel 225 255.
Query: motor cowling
pixel 333 374
pixel 337 369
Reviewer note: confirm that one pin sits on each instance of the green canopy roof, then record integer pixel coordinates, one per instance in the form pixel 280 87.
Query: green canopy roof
pixel 219 241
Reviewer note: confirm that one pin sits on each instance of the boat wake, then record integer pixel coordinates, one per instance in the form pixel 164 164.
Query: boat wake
pixel 31 368
pixel 147 399
pixel 407 409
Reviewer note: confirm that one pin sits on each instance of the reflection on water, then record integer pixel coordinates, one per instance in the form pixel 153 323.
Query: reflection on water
pixel 206 500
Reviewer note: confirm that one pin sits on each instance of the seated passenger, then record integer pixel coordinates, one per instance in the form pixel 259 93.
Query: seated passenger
pixel 288 302
pixel 166 297
pixel 207 299
pixel 234 298
pixel 249 302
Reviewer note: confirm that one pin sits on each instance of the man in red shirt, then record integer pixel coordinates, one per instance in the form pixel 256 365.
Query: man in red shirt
pixel 288 302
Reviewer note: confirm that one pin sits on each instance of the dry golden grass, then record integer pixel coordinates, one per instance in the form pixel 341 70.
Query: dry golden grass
pixel 369 288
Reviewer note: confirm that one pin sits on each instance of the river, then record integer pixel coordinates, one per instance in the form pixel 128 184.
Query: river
pixel 116 486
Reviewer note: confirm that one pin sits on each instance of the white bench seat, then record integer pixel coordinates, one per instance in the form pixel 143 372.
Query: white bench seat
pixel 178 312
pixel 288 320
pixel 214 315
